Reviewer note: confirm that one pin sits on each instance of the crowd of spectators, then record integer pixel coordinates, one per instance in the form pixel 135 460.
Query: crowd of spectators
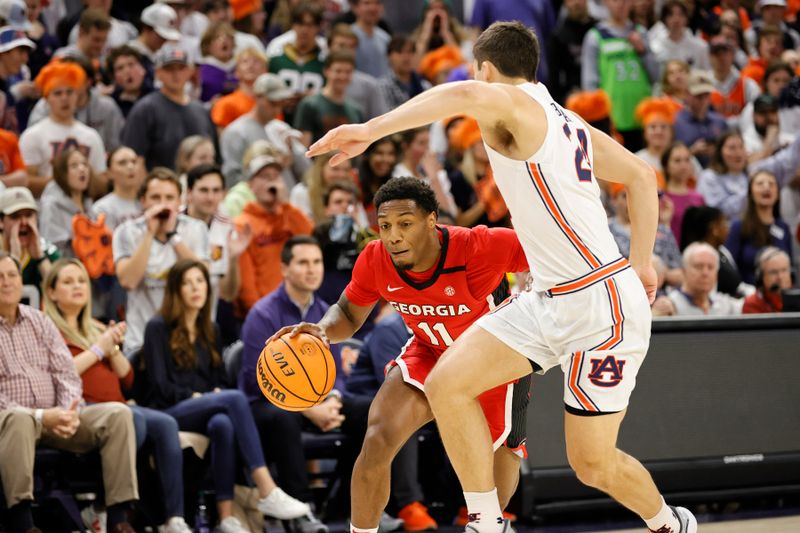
pixel 156 207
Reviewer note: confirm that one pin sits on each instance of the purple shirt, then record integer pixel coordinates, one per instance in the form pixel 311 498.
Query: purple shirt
pixel 682 202
pixel 268 315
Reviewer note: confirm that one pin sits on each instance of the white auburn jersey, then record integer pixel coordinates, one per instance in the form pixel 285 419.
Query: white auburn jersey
pixel 555 206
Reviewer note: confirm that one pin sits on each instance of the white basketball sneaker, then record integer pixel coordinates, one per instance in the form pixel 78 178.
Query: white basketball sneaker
pixel 280 505
pixel 685 518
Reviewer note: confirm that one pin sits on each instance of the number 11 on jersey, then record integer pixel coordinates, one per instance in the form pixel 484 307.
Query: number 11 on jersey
pixel 439 328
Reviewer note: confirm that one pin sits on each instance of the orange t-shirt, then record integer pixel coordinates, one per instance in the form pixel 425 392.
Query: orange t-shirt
pixel 755 69
pixel 10 156
pixel 230 107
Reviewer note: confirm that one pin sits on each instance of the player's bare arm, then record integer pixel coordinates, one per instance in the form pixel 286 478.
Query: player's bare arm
pixel 495 106
pixel 612 162
pixel 340 322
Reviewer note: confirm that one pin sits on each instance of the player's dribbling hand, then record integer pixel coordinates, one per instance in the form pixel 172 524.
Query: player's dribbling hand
pixel 302 327
pixel 647 274
pixel 350 140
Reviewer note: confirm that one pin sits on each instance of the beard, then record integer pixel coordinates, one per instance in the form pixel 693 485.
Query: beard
pixel 761 129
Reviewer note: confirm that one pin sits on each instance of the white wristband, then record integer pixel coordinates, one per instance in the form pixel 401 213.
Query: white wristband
pixel 38 414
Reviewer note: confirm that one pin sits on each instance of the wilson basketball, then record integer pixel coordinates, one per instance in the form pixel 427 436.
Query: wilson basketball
pixel 296 373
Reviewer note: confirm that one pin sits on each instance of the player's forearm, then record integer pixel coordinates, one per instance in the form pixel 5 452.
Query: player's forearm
pixel 643 209
pixel 338 324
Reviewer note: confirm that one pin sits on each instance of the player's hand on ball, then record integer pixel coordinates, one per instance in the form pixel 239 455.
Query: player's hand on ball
pixel 302 327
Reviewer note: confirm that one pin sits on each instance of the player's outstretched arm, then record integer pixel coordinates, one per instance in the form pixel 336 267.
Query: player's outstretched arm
pixel 340 322
pixel 488 103
pixel 612 162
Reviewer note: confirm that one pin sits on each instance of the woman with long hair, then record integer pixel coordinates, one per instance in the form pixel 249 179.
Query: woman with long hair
pixel 126 174
pixel 194 150
pixel 760 226
pixel 376 168
pixel 67 196
pixel 183 361
pixel 105 372
pixel 675 80
pixel 308 195
pixel 724 183
pixel 678 173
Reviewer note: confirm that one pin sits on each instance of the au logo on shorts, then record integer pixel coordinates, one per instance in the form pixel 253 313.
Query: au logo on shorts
pixel 606 372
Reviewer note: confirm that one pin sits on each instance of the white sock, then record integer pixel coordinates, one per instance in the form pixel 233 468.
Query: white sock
pixel 664 519
pixel 354 529
pixel 484 510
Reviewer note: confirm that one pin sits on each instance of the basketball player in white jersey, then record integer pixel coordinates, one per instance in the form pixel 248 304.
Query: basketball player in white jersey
pixel 589 308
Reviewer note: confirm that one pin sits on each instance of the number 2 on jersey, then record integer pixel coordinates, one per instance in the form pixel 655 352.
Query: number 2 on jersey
pixel 439 328
pixel 582 165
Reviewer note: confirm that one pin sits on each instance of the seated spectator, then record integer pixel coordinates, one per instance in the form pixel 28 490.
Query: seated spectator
pixel 678 174
pixel 158 25
pixel 64 197
pixel 41 392
pixel 131 83
pixel 675 81
pixel 292 302
pixel 273 221
pixel 162 119
pixel 760 225
pixel 147 247
pixel 372 39
pixel 677 41
pixel 216 66
pixel 90 43
pixel 564 49
pixel 776 78
pixel 656 115
pixel 12 167
pixel 666 247
pixel 193 150
pixel 183 358
pixel 724 183
pixel 15 48
pixel 696 296
pixel 762 136
pixel 363 88
pixel 377 165
pixel 773 275
pixel 697 125
pixel 321 112
pixel 59 83
pixel 21 236
pixel 269 93
pixel 732 91
pixel 105 372
pixel 772 14
pixel 403 81
pixel 308 194
pixel 250 64
pixel 126 176
pixel 769 47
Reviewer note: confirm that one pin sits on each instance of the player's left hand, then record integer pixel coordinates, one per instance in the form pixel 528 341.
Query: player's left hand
pixel 647 274
pixel 350 139
pixel 297 329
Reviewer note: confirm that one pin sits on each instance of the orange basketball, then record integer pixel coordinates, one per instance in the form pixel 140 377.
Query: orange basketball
pixel 296 373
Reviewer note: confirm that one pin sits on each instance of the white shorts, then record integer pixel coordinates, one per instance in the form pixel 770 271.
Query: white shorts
pixel 599 335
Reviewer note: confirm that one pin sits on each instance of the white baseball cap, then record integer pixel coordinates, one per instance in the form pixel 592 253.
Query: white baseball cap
pixel 163 19
pixel 779 3
pixel 15 13
pixel 11 38
pixel 16 199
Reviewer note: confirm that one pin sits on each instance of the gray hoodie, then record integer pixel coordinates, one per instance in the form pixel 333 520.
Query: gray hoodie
pixel 56 210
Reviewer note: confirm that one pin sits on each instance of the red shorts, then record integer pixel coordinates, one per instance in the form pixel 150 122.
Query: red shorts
pixel 499 404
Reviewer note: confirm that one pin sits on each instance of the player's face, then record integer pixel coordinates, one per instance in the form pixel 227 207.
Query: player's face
pixel 305 270
pixel 407 233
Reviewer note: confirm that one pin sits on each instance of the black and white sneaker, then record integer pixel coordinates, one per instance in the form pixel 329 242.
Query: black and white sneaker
pixel 469 528
pixel 686 518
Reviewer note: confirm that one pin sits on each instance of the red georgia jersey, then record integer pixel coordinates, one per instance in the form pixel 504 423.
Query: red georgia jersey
pixel 440 304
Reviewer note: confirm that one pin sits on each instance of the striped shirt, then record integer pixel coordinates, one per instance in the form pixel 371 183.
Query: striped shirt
pixel 36 368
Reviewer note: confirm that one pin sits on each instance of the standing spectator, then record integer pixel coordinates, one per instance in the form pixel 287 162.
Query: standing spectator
pixel 64 197
pixel 319 113
pixel 159 24
pixel 403 81
pixel 372 40
pixel 439 28
pixel 776 78
pixel 731 29
pixel 249 18
pixel 363 88
pixel 194 150
pixel 40 395
pixel 119 32
pixel 538 16
pixel 308 194
pixel 678 171
pixel 269 93
pixel 93 30
pixel 126 176
pixel 241 194
pixel 21 236
pixel 129 75
pixel 564 49
pixel 147 247
pixel 46 42
pixel 678 41
pixel 277 44
pixel 15 48
pixel 696 296
pixel 161 120
pixel 724 183
pixel 59 83
pixel 95 109
pixel 769 47
pixel 772 14
pixel 183 357
pixel 732 91
pixel 675 81
pixel 696 125
pixel 759 227
pixel 216 66
pixel 762 135
pixel 657 115
pixel 790 212
pixel 615 57
pixel 376 168
pixel 773 275
pixel 273 222
pixel 12 167
pixel 105 372
pixel 250 64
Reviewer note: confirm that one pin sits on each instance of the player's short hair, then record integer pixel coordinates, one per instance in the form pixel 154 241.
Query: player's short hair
pixel 297 240
pixel 200 171
pixel 512 47
pixel 408 188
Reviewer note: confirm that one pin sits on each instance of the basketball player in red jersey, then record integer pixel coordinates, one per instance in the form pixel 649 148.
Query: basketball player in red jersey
pixel 440 279
pixel 588 312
